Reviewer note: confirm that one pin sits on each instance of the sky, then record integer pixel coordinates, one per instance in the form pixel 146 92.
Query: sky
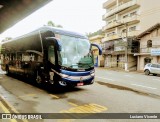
pixel 82 16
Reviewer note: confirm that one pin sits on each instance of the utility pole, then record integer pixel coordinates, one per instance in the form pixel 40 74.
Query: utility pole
pixel 126 45
pixel 126 49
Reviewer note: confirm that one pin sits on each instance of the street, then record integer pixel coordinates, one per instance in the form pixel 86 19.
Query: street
pixel 112 92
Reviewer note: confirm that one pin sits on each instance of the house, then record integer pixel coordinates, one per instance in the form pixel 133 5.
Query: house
pixel 149 50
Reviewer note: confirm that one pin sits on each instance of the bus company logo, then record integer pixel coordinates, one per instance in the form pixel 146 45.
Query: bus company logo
pixel 81 78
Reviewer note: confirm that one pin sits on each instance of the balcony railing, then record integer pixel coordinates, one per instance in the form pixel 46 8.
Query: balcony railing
pixel 130 33
pixel 111 25
pixel 145 50
pixel 132 19
pixel 148 49
pixel 107 51
pixel 108 38
pixel 120 8
pixel 108 2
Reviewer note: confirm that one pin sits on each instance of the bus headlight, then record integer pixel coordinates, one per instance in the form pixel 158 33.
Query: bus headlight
pixel 64 75
pixel 92 71
pixel 92 74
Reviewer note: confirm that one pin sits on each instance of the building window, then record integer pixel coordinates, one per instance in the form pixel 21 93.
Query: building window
pixel 124 31
pixel 149 43
pixel 125 16
pixel 111 34
pixel 110 22
pixel 132 28
pixel 147 60
pixel 133 13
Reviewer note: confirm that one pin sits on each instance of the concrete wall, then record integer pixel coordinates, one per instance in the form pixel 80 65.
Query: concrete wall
pixel 149 13
pixel 154 36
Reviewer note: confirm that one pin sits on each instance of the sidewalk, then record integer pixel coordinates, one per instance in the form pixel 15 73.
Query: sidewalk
pixel 1 71
pixel 118 69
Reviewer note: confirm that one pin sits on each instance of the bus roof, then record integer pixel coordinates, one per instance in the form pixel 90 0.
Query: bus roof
pixel 52 29
pixel 63 32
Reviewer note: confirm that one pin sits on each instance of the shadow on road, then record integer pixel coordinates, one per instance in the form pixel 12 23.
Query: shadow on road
pixel 51 89
pixel 129 89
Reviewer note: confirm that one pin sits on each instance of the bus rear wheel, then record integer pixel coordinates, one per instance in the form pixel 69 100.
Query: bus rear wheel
pixel 38 78
pixel 7 70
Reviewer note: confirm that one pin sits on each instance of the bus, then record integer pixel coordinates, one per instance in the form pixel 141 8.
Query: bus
pixel 51 55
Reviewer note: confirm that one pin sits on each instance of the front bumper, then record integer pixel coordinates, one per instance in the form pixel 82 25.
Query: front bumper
pixel 73 82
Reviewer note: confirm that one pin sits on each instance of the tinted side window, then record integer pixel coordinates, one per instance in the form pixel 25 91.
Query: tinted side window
pixel 148 65
pixel 154 65
pixel 158 65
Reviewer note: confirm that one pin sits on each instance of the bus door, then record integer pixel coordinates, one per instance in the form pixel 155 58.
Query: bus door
pixel 51 62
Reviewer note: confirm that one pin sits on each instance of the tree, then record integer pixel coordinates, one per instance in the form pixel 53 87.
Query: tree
pixel 50 23
pixel 7 39
pixel 99 32
pixel 60 26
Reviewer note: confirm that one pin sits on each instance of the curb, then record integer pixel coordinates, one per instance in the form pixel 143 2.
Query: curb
pixel 118 70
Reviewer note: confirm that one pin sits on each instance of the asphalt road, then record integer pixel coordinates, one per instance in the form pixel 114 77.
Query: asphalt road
pixel 137 81
pixel 112 92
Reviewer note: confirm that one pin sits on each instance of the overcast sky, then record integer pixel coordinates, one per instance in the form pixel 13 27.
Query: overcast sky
pixel 82 16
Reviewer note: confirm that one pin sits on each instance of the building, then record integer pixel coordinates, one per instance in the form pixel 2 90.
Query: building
pixel 149 47
pixel 97 39
pixel 126 19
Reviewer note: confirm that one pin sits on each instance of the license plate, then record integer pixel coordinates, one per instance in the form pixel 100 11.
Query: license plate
pixel 80 84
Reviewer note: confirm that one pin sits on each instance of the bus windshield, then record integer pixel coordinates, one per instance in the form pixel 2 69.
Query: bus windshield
pixel 75 53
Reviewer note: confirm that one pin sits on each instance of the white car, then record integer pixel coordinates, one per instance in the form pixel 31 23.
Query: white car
pixel 152 69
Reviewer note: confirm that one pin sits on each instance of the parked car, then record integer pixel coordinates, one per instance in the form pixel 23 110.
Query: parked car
pixel 152 69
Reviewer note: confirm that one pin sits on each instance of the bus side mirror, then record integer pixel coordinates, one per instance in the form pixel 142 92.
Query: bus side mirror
pixel 57 42
pixel 99 48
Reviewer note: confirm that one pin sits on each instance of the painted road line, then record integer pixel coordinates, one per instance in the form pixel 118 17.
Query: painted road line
pixel 105 78
pixel 66 120
pixel 87 108
pixel 73 104
pixel 12 108
pixel 128 75
pixel 54 96
pixel 28 95
pixel 156 79
pixel 144 86
pixel 6 111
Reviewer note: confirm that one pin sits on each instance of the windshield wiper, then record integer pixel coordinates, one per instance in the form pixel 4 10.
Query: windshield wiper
pixel 84 64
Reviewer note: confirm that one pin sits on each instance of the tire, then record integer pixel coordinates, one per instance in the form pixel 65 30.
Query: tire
pixel 38 78
pixel 147 72
pixel 155 74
